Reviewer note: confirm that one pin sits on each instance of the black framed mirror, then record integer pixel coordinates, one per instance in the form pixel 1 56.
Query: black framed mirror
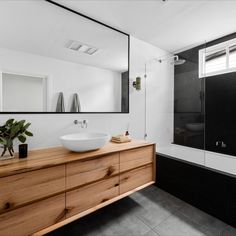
pixel 56 60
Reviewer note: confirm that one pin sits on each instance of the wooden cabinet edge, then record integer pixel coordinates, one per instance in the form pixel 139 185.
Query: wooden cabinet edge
pixel 123 172
pixel 101 205
pixel 31 202
pixel 82 214
pixel 27 188
pixel 31 218
pixel 154 163
pixel 74 188
pixel 17 166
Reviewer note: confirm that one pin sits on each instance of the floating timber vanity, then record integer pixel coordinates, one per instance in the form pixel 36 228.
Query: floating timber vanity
pixel 54 186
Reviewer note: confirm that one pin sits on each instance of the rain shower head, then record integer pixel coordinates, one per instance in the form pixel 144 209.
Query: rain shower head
pixel 177 61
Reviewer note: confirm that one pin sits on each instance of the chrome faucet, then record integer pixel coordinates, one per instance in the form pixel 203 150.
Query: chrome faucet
pixel 221 144
pixel 82 123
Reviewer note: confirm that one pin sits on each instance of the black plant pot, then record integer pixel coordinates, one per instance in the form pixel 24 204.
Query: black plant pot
pixel 23 150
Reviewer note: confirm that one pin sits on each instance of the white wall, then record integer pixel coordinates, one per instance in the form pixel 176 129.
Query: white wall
pixel 47 128
pixel 99 89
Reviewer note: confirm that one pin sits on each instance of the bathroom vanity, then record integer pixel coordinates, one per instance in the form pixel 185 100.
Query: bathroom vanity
pixel 54 186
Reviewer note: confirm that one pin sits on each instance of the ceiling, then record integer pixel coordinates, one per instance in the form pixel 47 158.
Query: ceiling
pixel 40 28
pixel 172 25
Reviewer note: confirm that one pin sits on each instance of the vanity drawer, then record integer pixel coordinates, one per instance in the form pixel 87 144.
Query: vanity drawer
pixel 83 172
pixel 136 157
pixel 91 195
pixel 34 217
pixel 24 188
pixel 136 178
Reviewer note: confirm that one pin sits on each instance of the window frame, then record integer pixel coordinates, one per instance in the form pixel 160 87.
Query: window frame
pixel 202 55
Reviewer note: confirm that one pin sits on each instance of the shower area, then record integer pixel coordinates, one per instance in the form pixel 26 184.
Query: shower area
pixel 189 101
pixel 199 164
pixel 205 96
pixel 204 116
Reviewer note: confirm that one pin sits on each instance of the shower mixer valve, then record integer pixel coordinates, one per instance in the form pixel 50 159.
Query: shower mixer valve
pixel 221 144
pixel 82 123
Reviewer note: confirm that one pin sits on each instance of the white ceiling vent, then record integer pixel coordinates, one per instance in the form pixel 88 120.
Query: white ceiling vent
pixel 81 47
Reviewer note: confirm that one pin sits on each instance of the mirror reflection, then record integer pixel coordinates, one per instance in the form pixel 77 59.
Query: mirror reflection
pixel 53 60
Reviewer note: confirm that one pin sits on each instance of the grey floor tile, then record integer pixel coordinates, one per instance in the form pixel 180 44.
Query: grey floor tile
pixel 130 226
pixel 119 220
pixel 178 225
pixel 152 206
pixel 151 233
pixel 209 224
pixel 156 196
pixel 149 212
pixel 153 215
pixel 229 231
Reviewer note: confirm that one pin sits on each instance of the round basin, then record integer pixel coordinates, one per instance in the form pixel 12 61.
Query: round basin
pixel 82 142
pixel 197 127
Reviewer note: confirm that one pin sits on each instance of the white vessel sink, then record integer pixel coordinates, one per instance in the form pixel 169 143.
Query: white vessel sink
pixel 82 142
pixel 197 127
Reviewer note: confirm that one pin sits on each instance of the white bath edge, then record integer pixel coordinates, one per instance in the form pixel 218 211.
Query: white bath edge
pixel 221 162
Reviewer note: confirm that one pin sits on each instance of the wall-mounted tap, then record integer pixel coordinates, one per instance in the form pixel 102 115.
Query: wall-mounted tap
pixel 221 144
pixel 82 123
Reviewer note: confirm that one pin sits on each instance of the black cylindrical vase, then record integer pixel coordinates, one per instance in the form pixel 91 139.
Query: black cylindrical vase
pixel 23 150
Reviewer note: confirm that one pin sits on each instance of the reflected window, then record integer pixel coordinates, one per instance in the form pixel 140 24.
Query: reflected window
pixel 217 59
pixel 22 93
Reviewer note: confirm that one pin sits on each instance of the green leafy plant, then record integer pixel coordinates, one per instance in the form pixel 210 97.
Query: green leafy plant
pixel 11 130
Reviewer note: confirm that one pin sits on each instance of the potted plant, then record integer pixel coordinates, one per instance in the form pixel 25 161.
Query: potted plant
pixel 11 130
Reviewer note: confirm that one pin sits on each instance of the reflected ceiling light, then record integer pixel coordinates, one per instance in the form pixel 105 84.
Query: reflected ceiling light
pixel 81 47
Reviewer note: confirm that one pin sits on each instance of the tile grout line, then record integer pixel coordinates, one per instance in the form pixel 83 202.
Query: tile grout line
pixel 197 223
pixel 188 219
pixel 143 223
pixel 152 227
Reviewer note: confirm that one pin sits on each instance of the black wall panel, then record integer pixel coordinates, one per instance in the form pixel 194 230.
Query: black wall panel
pixel 208 190
pixel 209 101
pixel 220 120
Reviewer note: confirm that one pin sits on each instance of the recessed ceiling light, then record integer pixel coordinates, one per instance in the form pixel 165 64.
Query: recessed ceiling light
pixel 91 51
pixel 81 47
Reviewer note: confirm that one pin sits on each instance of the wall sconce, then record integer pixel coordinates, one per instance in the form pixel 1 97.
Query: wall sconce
pixel 137 83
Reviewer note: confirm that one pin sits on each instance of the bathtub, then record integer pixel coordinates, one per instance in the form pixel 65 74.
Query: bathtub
pixel 217 161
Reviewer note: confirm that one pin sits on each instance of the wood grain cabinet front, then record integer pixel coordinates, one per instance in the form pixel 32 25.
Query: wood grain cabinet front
pixel 70 185
pixel 86 171
pixel 34 217
pixel 91 195
pixel 136 157
pixel 135 178
pixel 20 189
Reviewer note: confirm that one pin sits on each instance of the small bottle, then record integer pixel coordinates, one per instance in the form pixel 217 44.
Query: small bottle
pixel 127 130
pixel 23 150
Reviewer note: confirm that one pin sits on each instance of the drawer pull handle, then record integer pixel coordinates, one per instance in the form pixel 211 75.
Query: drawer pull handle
pixel 68 209
pixel 110 170
pixel 61 216
pixel 104 200
pixel 7 205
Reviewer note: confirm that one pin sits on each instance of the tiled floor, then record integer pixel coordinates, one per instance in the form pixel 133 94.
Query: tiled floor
pixel 150 212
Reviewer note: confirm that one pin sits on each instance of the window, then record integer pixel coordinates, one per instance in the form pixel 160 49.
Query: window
pixel 17 91
pixel 217 59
